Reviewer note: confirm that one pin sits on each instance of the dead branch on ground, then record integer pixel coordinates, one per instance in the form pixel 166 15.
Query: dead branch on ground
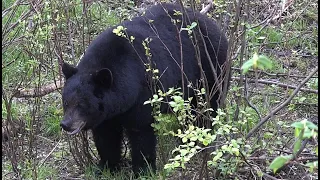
pixel 262 81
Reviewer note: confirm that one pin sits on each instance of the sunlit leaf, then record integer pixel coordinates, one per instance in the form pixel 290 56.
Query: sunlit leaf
pixel 257 62
pixel 235 151
pixel 279 162
pixel 246 66
pixel 184 139
pixel 194 138
pixel 298 127
pixel 265 61
pixel 261 38
pixel 216 157
pixel 183 152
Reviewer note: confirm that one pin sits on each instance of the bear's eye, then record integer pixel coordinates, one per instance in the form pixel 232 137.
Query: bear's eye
pixel 65 103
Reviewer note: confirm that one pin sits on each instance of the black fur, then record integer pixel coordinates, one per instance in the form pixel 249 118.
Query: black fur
pixel 109 86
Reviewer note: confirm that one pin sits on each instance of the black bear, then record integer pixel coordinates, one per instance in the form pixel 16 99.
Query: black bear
pixel 106 91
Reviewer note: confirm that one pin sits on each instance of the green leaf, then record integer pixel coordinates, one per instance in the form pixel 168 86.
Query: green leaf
pixel 184 139
pixel 312 165
pixel 302 99
pixel 191 128
pixel 206 142
pixel 259 173
pixel 213 137
pixel 186 159
pixel 279 162
pixel 183 152
pixel 194 138
pixel 177 158
pixel 191 144
pixel 257 61
pixel 308 133
pixel 226 129
pixel 235 151
pixel 261 38
pixel 146 102
pixel 259 66
pixel 216 157
pixel 167 166
pixel 246 66
pixel 299 125
pixel 311 125
pixel 172 104
pixel 203 91
pixel 177 98
pixel 176 164
pixel 297 132
pixel 265 61
pixel 297 146
pixel 193 25
pixel 268 135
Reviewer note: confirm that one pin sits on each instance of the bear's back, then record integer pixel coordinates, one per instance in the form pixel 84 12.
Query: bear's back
pixel 167 47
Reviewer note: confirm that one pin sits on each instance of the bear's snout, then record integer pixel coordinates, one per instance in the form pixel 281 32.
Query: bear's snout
pixel 65 126
pixel 72 127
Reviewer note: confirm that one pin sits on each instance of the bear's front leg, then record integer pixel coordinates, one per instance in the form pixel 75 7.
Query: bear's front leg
pixel 108 139
pixel 143 149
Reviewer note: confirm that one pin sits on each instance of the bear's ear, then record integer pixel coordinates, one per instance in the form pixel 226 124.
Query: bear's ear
pixel 103 77
pixel 68 70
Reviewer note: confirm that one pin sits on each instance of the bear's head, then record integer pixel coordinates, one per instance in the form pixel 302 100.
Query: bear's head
pixel 83 98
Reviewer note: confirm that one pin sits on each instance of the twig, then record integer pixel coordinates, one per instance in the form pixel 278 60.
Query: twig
pixel 208 7
pixel 307 159
pixel 266 20
pixel 246 92
pixel 55 147
pixel 277 83
pixel 284 7
pixel 307 104
pixel 303 145
pixel 269 176
pixel 255 168
pixel 47 139
pixel 241 57
pixel 279 107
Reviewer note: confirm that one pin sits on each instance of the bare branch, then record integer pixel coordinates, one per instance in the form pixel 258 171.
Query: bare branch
pixel 208 7
pixel 278 84
pixel 274 74
pixel 284 6
pixel 36 92
pixel 282 105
